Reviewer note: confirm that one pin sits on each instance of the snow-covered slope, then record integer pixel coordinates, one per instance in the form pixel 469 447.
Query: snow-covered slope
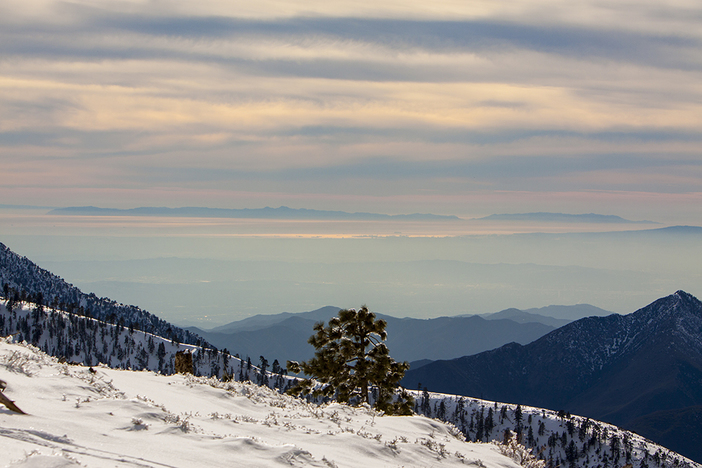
pixel 28 281
pixel 102 417
pixel 557 437
pixel 624 369
pixel 89 341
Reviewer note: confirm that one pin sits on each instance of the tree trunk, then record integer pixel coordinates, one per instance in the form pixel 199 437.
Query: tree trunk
pixel 10 404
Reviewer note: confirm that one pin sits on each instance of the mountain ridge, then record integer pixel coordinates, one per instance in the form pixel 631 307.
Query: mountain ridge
pixel 282 212
pixel 562 217
pixel 27 279
pixel 552 314
pixel 595 366
pixel 408 338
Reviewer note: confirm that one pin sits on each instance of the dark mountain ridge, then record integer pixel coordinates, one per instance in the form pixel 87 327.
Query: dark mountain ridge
pixel 619 368
pixel 29 280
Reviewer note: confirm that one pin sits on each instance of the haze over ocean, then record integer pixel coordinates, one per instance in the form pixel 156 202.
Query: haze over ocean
pixel 450 108
pixel 208 272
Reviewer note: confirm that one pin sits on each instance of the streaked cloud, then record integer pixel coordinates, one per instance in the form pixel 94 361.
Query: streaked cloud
pixel 278 100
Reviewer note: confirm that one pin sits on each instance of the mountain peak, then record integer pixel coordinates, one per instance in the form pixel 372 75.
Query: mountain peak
pixel 624 369
pixel 685 296
pixel 678 305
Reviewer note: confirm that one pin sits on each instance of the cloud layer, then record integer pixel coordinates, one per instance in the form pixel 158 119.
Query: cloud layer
pixel 347 105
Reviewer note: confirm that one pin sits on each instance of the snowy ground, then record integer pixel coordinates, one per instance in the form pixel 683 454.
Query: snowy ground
pixel 551 435
pixel 560 439
pixel 116 418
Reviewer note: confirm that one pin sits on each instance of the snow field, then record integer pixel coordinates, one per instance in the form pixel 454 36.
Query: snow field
pixel 115 418
pixel 560 440
pixel 593 444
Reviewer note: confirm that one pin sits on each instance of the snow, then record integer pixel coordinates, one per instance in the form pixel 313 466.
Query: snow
pixel 102 417
pixel 87 341
pixel 234 427
pixel 593 440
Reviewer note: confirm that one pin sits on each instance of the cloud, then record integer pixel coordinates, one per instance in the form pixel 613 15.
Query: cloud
pixel 289 98
pixel 217 38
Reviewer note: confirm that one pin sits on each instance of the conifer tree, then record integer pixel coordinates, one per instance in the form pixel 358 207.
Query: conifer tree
pixel 264 377
pixel 480 426
pixel 489 422
pixel 426 407
pixel 441 412
pixel 350 359
pixel 518 422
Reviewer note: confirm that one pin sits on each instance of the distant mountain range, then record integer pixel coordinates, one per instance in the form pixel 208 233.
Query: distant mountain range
pixel 284 336
pixel 554 315
pixel 641 371
pixel 563 218
pixel 282 212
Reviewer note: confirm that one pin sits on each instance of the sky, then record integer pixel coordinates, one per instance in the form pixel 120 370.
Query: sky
pixel 465 108
pixel 453 108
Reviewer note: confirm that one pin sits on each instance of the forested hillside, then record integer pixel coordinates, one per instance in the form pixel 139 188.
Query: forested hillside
pixel 641 371
pixel 556 437
pixel 22 280
pixel 83 340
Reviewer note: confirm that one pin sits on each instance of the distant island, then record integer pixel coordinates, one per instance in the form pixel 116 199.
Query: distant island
pixel 282 212
pixel 563 218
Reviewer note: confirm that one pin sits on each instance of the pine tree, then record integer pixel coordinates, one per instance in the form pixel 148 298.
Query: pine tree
pixel 264 377
pixel 460 413
pixel 571 453
pixel 441 412
pixel 582 430
pixel 351 358
pixel 480 429
pixel 489 422
pixel 518 421
pixel 426 406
